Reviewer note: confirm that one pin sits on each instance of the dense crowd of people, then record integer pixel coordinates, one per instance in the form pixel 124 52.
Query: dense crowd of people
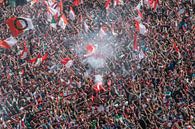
pixel 156 91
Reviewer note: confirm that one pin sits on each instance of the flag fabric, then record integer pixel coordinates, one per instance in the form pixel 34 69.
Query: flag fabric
pixel 41 59
pixel 8 43
pixel 33 60
pixel 63 22
pixel 140 27
pixel 76 3
pixel 107 4
pixel 67 62
pixel 18 25
pixel 10 22
pixel 72 15
pixel 23 54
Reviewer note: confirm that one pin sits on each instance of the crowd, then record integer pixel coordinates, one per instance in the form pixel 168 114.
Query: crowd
pixel 156 91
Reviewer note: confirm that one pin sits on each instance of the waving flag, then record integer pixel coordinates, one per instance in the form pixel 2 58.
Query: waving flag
pixel 63 22
pixel 72 15
pixel 8 43
pixel 18 25
pixel 67 62
pixel 41 59
pixel 140 27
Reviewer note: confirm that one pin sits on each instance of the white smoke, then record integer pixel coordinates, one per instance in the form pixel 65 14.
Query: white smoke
pixel 98 78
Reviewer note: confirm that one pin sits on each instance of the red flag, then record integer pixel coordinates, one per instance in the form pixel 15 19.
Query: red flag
pixel 44 57
pixel 135 47
pixel 10 22
pixel 107 4
pixel 33 60
pixel 65 60
pixel 4 44
pixel 137 27
pixel 76 3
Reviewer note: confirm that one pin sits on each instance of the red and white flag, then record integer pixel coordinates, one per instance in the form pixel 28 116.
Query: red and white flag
pixel 67 62
pixel 63 22
pixel 72 15
pixel 140 27
pixel 18 25
pixel 41 59
pixel 8 43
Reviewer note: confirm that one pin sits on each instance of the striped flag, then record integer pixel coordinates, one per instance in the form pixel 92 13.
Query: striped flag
pixel 8 43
